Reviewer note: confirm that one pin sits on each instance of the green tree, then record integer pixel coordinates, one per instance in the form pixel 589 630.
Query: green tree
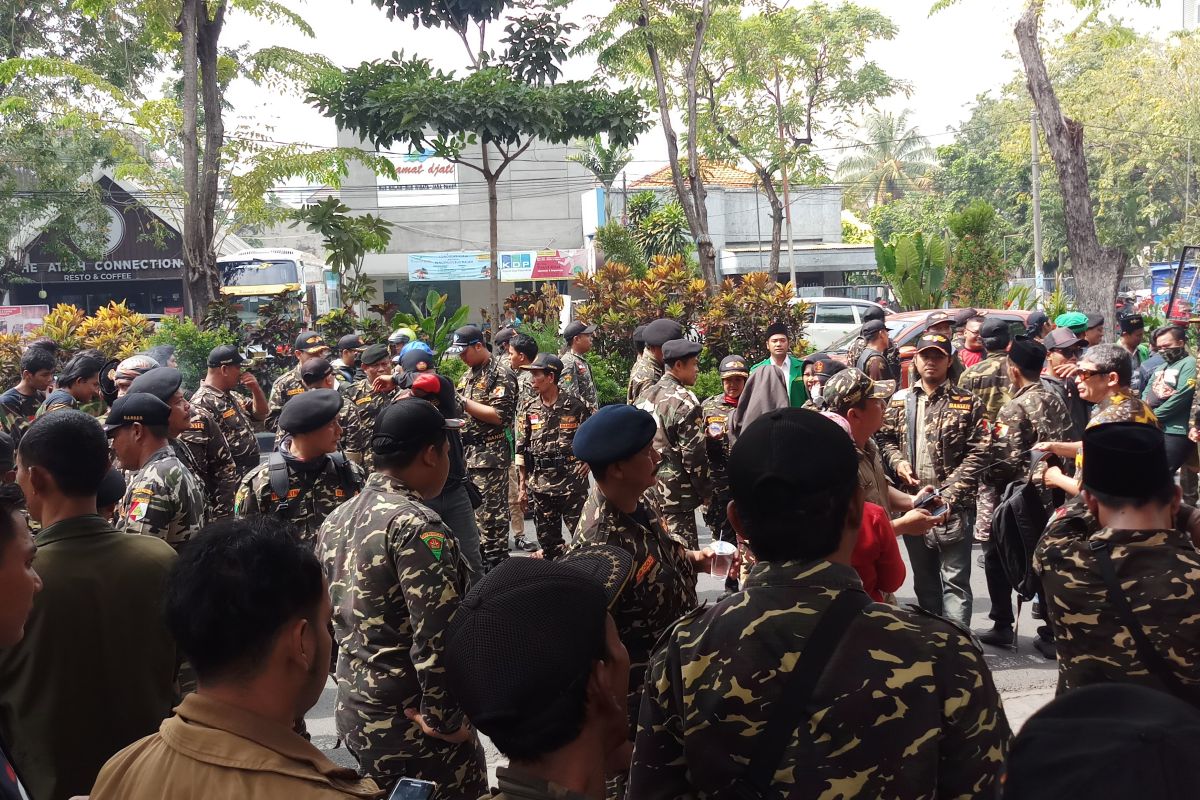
pixel 606 162
pixel 506 101
pixel 347 240
pixel 920 212
pixel 976 272
pixel 915 266
pixel 891 159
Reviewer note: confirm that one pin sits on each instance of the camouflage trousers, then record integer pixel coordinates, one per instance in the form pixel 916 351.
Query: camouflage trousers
pixel 985 505
pixel 459 770
pixel 492 515
pixel 717 518
pixel 683 525
pixel 550 513
pixel 516 516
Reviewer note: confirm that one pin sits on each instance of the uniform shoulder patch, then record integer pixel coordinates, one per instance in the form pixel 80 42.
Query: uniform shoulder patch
pixel 137 509
pixel 435 542
pixel 296 391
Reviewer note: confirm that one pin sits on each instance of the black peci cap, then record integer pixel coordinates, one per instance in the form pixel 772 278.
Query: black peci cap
pixel 310 410
pixel 1131 322
pixel 1027 353
pixel 1125 459
pixel 225 354
pixel 614 433
pixel 310 342
pixel 677 349
pixel 547 362
pixel 661 331
pixel 514 610
pixel 315 370
pixel 408 425
pixel 375 353
pixel 136 407
pixel 351 341
pixel 162 382
pixel 576 328
pixel 777 329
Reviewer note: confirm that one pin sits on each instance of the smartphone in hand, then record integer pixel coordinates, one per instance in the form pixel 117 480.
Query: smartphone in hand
pixel 412 789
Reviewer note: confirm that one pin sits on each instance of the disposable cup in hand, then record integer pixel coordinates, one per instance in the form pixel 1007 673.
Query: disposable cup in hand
pixel 722 558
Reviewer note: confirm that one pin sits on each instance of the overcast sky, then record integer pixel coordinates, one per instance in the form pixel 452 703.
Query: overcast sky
pixel 949 59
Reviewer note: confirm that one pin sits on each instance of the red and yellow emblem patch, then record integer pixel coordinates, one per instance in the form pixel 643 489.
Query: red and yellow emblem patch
pixel 436 542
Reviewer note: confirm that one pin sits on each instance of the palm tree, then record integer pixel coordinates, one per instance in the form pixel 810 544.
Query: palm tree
pixel 891 159
pixel 605 162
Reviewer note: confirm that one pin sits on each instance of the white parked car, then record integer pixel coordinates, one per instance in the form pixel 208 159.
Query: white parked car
pixel 831 318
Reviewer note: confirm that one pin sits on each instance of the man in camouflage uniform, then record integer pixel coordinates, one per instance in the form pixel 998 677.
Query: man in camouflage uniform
pixel 903 706
pixel 988 380
pixel 318 373
pixel 196 439
pixel 577 375
pixel 714 417
pixel 1033 415
pixel 936 434
pixel 684 482
pixel 617 444
pixel 396 577
pixel 309 344
pixel 308 481
pixel 649 365
pixel 500 344
pixel 550 476
pixel 215 395
pixel 162 498
pixel 1122 599
pixel 488 392
pixel 376 362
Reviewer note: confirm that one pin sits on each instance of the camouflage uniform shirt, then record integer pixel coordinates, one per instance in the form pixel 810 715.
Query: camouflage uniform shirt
pixel 683 476
pixel 714 418
pixel 1035 414
pixel 906 708
pixel 492 384
pixel 544 435
pixel 315 489
pixel 644 374
pixel 988 380
pixel 229 410
pixel 163 499
pixel 368 403
pixel 206 452
pixel 1123 406
pixel 285 387
pixel 396 576
pixel 663 587
pixel 56 401
pixel 1159 571
pixel 577 378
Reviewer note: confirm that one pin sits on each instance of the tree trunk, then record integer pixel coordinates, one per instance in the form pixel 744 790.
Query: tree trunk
pixel 1097 269
pixel 207 279
pixel 768 184
pixel 493 178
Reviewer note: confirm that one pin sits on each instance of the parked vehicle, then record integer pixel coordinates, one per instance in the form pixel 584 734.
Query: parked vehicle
pixel 256 276
pixel 906 327
pixel 831 318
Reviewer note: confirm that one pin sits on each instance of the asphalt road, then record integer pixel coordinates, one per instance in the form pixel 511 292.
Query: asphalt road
pixel 1025 679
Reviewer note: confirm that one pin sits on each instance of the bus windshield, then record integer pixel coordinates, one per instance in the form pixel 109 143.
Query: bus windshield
pixel 258 273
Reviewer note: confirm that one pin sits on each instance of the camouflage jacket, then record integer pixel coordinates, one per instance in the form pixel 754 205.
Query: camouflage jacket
pixel 206 452
pixel 22 405
pixel 988 380
pixel 644 374
pixel 891 357
pixel 368 403
pixel 163 499
pixel 544 436
pixel 577 378
pixel 395 576
pixel 1159 571
pixel 229 410
pixel 495 385
pixel 1035 414
pixel 314 491
pixel 957 433
pixel 525 392
pixel 683 476
pixel 664 585
pixel 906 708
pixel 512 784
pixel 1123 406
pixel 12 424
pixel 285 387
pixel 714 417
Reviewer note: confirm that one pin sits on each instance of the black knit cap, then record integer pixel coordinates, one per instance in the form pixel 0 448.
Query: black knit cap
pixel 1027 353
pixel 1125 459
pixel 515 610
pixel 310 410
pixel 764 470
pixel 162 382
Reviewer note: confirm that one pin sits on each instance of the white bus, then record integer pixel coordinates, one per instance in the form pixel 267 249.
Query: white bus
pixel 256 276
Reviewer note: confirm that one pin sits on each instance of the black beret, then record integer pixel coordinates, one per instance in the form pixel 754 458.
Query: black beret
pixel 777 328
pixel 1094 321
pixel 1027 353
pixel 162 382
pixel 315 370
pixel 661 331
pixel 613 433
pixel 681 348
pixel 1125 459
pixel 639 337
pixel 225 354
pixel 310 410
pixel 136 407
pixel 374 353
pixel 994 328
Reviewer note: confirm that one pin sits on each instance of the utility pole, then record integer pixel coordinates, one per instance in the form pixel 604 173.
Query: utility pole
pixel 787 198
pixel 1036 184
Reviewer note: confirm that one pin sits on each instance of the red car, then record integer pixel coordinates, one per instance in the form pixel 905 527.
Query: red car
pixel 906 327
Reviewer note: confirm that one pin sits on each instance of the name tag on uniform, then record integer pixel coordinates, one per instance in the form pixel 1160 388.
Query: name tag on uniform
pixel 960 406
pixel 363 400
pixel 568 424
pixel 197 426
pixel 228 413
pixel 293 392
pixel 644 570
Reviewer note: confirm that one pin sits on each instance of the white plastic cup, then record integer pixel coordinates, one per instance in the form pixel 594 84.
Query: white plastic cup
pixel 722 559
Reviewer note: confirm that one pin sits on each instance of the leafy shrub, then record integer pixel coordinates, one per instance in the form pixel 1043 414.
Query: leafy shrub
pixel 337 323
pixel 736 318
pixel 611 376
pixel 192 346
pixel 62 325
pixel 617 244
pixel 115 330
pixel 708 383
pixel 11 347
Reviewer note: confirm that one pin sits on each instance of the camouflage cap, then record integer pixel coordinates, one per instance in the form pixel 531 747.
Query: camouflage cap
pixel 850 387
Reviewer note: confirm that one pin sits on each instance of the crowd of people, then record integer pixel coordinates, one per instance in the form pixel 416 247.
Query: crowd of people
pixel 176 587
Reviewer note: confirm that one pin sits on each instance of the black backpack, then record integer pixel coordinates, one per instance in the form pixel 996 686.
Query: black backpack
pixel 1018 521
pixel 280 482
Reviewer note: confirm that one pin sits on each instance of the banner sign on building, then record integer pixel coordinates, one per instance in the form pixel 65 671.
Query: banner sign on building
pixel 422 179
pixel 519 265
pixel 21 319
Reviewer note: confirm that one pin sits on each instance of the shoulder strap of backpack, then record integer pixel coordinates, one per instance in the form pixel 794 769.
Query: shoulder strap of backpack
pixel 1149 656
pixel 346 475
pixel 792 712
pixel 277 474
